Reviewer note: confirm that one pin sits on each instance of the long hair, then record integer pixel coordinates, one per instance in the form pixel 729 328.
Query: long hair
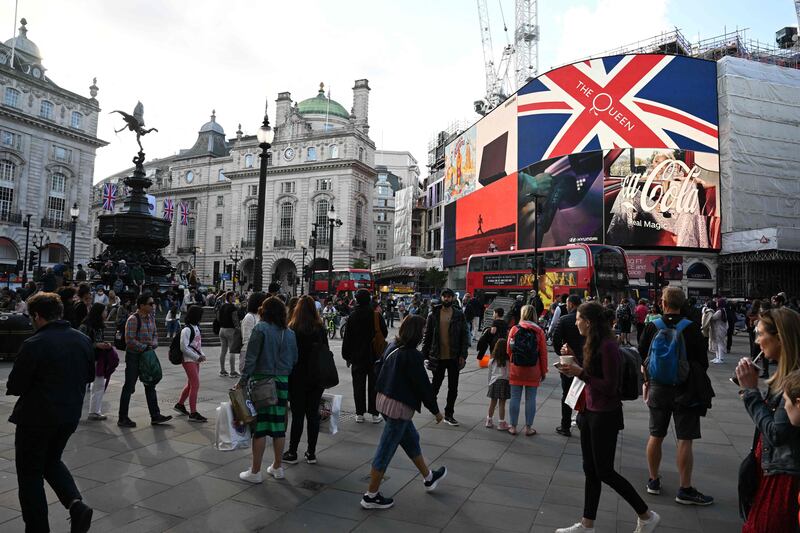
pixel 785 324
pixel 254 301
pixel 528 312
pixel 500 352
pixel 304 318
pixel 411 331
pixel 95 317
pixel 599 319
pixel 273 311
pixel 290 307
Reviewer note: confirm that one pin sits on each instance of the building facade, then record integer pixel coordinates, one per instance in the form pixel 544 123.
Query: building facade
pixel 396 170
pixel 48 139
pixel 322 157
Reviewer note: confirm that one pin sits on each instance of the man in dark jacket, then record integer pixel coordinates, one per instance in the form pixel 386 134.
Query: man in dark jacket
pixel 474 309
pixel 49 375
pixel 445 344
pixel 357 350
pixel 497 330
pixel 685 403
pixel 566 332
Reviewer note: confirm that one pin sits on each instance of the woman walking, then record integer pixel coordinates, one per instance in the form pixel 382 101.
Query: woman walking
pixel 527 352
pixel 601 420
pixel 304 392
pixel 191 348
pixel 106 359
pixel 774 506
pixel 403 387
pixel 271 354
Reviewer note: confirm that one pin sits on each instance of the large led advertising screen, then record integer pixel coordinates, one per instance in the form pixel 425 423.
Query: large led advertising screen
pixel 620 150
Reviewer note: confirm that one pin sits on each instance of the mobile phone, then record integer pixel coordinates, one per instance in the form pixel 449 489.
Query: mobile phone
pixel 735 380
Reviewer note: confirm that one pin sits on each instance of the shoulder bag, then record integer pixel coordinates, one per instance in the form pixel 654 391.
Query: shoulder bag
pixel 323 368
pixel 379 343
pixel 748 479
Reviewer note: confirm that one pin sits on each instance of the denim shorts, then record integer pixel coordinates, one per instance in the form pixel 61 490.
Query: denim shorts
pixel 396 432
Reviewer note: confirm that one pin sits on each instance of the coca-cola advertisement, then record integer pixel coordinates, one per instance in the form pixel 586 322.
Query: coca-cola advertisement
pixel 661 198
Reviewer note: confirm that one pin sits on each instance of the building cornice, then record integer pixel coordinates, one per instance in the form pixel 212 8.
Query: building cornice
pixel 50 87
pixel 76 135
pixel 305 167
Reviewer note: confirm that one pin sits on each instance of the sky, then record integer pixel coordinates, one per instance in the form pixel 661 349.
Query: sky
pixel 423 59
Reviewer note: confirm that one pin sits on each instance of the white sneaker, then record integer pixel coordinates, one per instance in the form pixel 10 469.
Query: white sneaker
pixel 251 477
pixel 646 526
pixel 277 473
pixel 576 528
pixel 377 419
pixel 359 419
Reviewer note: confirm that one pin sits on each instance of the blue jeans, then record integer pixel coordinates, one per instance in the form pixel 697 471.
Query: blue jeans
pixel 396 432
pixel 530 404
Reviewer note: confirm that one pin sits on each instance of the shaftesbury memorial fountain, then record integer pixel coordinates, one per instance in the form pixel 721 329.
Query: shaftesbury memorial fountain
pixel 135 237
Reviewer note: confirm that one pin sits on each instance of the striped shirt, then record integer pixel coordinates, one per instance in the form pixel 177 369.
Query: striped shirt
pixel 392 408
pixel 146 336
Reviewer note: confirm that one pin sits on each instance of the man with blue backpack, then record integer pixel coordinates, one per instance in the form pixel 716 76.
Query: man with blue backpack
pixel 676 386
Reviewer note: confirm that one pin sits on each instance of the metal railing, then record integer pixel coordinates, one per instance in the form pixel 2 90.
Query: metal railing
pixel 359 244
pixel 54 223
pixel 284 243
pixel 185 250
pixel 11 217
pixel 248 243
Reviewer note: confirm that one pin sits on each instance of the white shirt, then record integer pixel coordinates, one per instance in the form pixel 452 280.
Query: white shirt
pixel 248 323
pixel 193 351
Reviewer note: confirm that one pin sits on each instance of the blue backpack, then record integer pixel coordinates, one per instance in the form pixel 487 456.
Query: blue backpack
pixel 666 362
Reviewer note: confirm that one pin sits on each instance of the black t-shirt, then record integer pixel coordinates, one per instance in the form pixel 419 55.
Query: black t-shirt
pixel 226 313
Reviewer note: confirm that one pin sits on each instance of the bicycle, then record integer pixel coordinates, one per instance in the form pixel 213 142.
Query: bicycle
pixel 330 325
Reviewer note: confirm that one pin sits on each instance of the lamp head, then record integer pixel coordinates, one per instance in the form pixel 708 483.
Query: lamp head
pixel 265 133
pixel 74 212
pixel 331 213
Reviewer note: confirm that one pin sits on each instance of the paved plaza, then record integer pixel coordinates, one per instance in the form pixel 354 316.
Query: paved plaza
pixel 170 478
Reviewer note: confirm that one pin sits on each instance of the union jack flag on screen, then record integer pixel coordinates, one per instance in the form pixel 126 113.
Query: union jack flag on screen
pixel 109 196
pixel 169 209
pixel 626 101
pixel 184 213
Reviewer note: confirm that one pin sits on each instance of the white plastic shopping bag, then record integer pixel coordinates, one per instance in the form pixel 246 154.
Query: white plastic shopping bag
pixel 228 435
pixel 330 408
pixel 574 399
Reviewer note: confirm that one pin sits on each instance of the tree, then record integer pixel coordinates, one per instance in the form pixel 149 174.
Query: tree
pixel 434 278
pixel 360 263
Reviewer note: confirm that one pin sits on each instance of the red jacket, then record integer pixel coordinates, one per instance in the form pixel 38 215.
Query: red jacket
pixel 529 376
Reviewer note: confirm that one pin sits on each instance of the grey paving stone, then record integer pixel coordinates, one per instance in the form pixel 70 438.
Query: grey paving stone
pixel 107 470
pixel 275 495
pixel 555 515
pixel 302 520
pixel 134 520
pixel 229 516
pixel 439 436
pixel 157 452
pixel 495 516
pixel 343 504
pixel 487 451
pixel 500 495
pixel 378 524
pixel 174 471
pixel 394 480
pixel 466 474
pixel 532 464
pixel 121 493
pixel 521 480
pixel 7 514
pixel 413 504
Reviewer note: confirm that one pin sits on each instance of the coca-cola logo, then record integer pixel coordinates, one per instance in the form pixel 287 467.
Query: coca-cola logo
pixel 670 186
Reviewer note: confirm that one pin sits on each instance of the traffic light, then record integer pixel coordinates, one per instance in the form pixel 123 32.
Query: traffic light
pixel 660 281
pixel 32 257
pixel 306 272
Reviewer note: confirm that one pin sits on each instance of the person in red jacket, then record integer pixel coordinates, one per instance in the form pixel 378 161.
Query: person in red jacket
pixel 527 352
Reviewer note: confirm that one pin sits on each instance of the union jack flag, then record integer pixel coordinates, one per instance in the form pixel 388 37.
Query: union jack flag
pixel 184 213
pixel 169 209
pixel 109 196
pixel 627 101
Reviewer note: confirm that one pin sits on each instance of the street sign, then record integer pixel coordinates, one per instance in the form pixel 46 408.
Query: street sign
pixel 226 276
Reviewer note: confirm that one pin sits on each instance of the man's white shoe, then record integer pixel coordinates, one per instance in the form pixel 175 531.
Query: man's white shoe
pixel 647 526
pixel 377 419
pixel 576 528
pixel 277 473
pixel 359 419
pixel 251 477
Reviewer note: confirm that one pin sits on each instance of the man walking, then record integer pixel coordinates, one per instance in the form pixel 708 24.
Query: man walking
pixel 140 336
pixel 566 332
pixel 49 375
pixel 444 345
pixel 685 402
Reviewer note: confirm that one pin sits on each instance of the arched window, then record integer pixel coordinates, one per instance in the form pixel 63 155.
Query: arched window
pixel 334 151
pixel 321 218
pixel 286 228
pixel 8 171
pixel 46 110
pixel 311 154
pixel 221 175
pixel 248 161
pixel 77 120
pixel 252 222
pixel 360 154
pixel 359 220
pixel 56 198
pixel 11 97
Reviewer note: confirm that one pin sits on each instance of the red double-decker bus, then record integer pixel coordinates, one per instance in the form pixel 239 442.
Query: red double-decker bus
pixel 582 269
pixel 344 280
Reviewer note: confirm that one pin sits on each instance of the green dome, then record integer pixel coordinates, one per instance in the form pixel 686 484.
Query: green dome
pixel 321 105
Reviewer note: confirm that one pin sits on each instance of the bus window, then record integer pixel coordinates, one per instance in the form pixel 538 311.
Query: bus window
pixel 476 264
pixel 554 259
pixel 576 258
pixel 491 264
pixel 503 262
pixel 517 262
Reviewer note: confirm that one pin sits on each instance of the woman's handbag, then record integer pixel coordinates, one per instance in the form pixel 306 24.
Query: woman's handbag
pixel 263 392
pixel 748 479
pixel 379 343
pixel 241 413
pixel 323 370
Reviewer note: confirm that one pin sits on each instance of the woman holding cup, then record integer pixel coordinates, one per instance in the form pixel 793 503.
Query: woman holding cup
pixel 777 449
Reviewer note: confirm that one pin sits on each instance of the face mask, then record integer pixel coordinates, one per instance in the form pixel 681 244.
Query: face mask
pixel 447 304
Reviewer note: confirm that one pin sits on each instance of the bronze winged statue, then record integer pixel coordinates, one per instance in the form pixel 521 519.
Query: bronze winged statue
pixel 135 123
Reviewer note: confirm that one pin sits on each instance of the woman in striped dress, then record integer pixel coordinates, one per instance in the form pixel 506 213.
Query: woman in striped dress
pixel 271 353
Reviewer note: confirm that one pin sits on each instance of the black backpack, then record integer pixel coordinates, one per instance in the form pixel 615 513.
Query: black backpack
pixel 175 353
pixel 623 312
pixel 525 351
pixel 630 373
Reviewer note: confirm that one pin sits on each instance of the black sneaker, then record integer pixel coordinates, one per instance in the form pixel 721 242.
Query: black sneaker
pixel 378 502
pixel 160 419
pixel 80 517
pixel 450 420
pixel 126 423
pixel 290 458
pixel 654 486
pixel 223 374
pixel 197 417
pixel 311 458
pixel 437 476
pixel 179 407
pixel 691 496
pixel 565 432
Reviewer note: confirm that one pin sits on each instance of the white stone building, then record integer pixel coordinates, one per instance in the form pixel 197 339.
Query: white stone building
pixel 322 156
pixel 48 138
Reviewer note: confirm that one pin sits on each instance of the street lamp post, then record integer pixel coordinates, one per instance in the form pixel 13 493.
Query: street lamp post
pixel 311 285
pixel 235 255
pixel 265 135
pixel 40 244
pixel 74 212
pixel 332 221
pixel 303 268
pixel 27 238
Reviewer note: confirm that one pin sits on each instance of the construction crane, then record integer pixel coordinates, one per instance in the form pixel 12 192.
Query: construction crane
pixel 523 53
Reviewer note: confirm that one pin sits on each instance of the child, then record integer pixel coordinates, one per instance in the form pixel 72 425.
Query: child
pixel 499 388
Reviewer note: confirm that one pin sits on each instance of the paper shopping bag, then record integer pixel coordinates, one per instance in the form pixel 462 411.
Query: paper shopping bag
pixel 576 395
pixel 330 408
